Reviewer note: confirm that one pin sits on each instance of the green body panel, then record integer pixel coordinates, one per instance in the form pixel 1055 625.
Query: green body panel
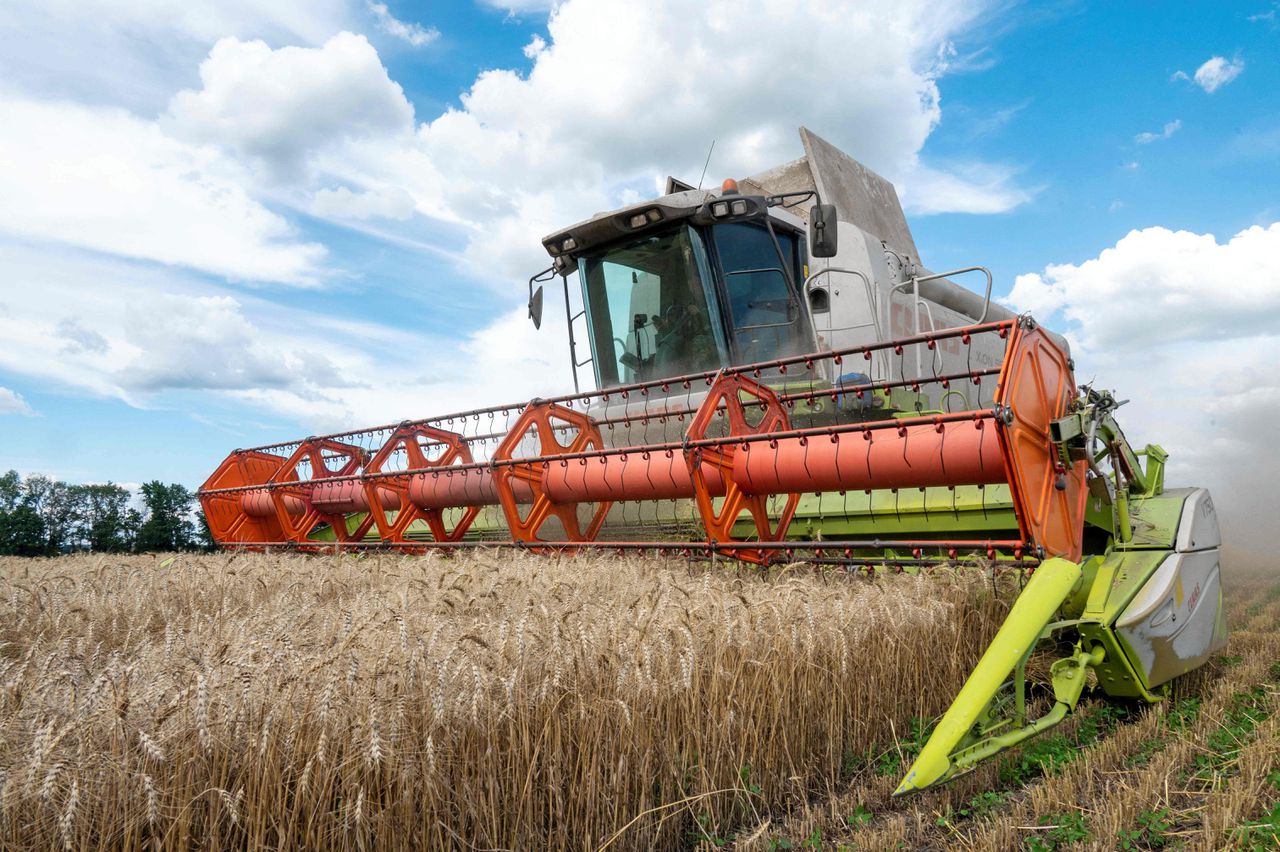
pixel 1155 519
pixel 1120 575
pixel 965 511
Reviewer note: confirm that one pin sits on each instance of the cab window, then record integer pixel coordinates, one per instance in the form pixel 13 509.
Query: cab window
pixel 764 310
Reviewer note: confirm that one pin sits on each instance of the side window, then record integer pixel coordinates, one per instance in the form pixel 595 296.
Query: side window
pixel 765 313
pixel 756 283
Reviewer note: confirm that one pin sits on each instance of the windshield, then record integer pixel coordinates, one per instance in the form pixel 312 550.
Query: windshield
pixel 649 309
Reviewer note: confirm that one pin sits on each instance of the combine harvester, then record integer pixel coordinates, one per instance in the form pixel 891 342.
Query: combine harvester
pixel 774 386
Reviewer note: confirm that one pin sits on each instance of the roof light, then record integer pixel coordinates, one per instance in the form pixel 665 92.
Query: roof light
pixel 569 244
pixel 720 209
pixel 653 214
pixel 729 187
pixel 739 207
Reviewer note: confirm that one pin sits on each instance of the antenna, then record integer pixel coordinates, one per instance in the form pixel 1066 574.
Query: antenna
pixel 707 163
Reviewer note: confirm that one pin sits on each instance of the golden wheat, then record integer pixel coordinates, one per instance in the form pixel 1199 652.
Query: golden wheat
pixel 489 701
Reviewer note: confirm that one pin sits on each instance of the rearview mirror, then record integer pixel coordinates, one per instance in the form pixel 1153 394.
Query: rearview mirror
pixel 535 307
pixel 822 230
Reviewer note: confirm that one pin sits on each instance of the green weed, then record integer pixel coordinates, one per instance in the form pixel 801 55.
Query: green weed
pixel 1182 713
pixel 1148 833
pixel 1262 835
pixel 1145 751
pixel 1066 829
pixel 861 816
pixel 1244 713
pixel 895 760
pixel 1039 757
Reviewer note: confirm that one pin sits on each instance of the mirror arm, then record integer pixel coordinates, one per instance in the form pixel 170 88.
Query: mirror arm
pixel 800 197
pixel 535 298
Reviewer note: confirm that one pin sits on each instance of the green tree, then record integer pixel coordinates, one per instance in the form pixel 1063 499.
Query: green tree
pixel 204 533
pixel 167 524
pixel 54 502
pixel 10 491
pixel 107 524
pixel 22 533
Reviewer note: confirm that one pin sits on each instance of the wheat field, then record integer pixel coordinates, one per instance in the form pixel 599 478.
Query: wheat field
pixel 495 701
pixel 500 700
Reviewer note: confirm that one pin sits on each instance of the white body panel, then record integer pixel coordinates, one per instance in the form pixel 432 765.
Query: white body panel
pixel 1198 529
pixel 1175 622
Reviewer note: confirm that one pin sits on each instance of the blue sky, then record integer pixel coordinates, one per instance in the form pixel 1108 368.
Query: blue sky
pixel 226 224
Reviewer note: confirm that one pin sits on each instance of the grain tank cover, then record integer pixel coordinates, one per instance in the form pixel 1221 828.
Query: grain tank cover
pixel 862 197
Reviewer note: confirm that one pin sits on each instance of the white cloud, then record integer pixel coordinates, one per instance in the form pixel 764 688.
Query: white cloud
pixel 106 180
pixel 11 402
pixel 963 188
pixel 1184 326
pixel 390 202
pixel 325 129
pixel 1200 289
pixel 535 46
pixel 133 52
pixel 527 153
pixel 594 117
pixel 516 7
pixel 1215 73
pixel 118 329
pixel 1170 128
pixel 276 106
pixel 415 34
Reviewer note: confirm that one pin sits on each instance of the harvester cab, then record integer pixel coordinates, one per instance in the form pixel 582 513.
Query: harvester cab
pixel 776 378
pixel 812 255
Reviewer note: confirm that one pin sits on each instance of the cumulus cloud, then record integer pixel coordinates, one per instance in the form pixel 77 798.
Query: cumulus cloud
pixel 415 34
pixel 1170 128
pixel 131 52
pixel 276 106
pixel 1215 73
pixel 11 402
pixel 115 328
pixel 106 180
pixel 320 125
pixel 595 118
pixel 1200 289
pixel 118 329
pixel 1183 325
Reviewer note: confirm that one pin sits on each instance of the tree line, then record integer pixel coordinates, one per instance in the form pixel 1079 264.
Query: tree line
pixel 42 516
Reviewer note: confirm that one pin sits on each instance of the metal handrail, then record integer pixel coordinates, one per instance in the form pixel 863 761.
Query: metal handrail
pixel 986 303
pixel 866 282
